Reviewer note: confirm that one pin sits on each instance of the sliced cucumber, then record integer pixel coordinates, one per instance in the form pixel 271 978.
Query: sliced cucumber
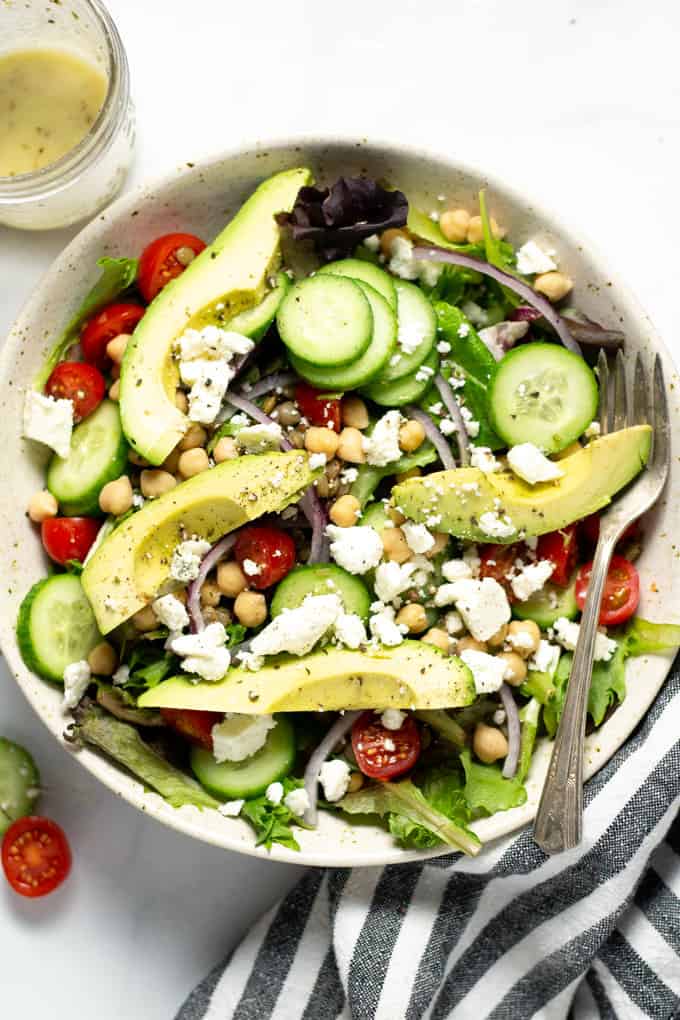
pixel 19 783
pixel 255 322
pixel 98 455
pixel 542 394
pixel 370 364
pixel 417 325
pixel 408 390
pixel 321 579
pixel 374 276
pixel 326 320
pixel 547 605
pixel 56 626
pixel 250 777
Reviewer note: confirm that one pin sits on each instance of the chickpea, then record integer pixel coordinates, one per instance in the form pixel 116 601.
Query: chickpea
pixel 413 616
pixel 193 462
pixel 210 594
pixel 116 348
pixel 516 668
pixel 155 482
pixel 395 545
pixel 287 414
pixel 356 781
pixel 441 540
pixel 475 231
pixel 171 462
pixel 103 659
pixel 350 447
pixel 250 608
pixel 470 644
pixel 554 285
pixel 345 511
pixel 225 449
pixel 116 497
pixel 181 401
pixel 523 637
pixel 439 638
pixel 114 390
pixel 137 459
pixel 145 619
pixel 321 440
pixel 489 743
pixel 496 640
pixel 194 437
pixel 411 436
pixel 396 516
pixel 354 413
pixel 211 614
pixel 454 225
pixel 230 579
pixel 387 239
pixel 41 506
pixel 413 472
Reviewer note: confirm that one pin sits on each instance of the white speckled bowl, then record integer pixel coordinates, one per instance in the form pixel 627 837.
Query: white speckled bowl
pixel 199 198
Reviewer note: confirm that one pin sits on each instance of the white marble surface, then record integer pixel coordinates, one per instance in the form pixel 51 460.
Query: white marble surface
pixel 573 101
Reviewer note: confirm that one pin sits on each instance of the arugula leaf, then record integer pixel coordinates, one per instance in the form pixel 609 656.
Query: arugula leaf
pixel 369 477
pixel 641 637
pixel 487 791
pixel 116 276
pixel 272 822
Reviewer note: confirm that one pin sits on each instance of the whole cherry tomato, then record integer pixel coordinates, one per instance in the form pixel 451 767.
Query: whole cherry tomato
pixel 381 753
pixel 159 262
pixel 621 591
pixel 317 410
pixel 265 554
pixel 121 317
pixel 79 382
pixel 561 549
pixel 36 857
pixel 195 725
pixel 68 538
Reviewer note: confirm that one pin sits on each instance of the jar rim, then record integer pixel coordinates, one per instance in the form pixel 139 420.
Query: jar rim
pixel 55 176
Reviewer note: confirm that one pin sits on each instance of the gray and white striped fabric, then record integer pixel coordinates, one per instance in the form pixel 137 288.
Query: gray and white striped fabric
pixel 512 934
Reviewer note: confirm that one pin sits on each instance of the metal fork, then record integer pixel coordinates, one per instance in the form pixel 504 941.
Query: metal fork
pixel 559 819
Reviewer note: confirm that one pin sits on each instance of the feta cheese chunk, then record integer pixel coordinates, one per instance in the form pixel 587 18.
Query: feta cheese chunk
pixel 317 460
pixel 593 430
pixel 566 632
pixel 204 653
pixel 357 549
pixel 403 264
pixel 205 364
pixel 121 676
pixel 49 421
pixel 531 258
pixel 334 778
pixel 231 808
pixel 482 457
pixel 384 629
pixel 531 465
pixel 392 578
pixel 171 612
pixel 297 802
pixel 251 568
pixel 212 342
pixel 258 438
pixel 186 559
pixel 350 630
pixel 77 676
pixel 240 736
pixel 488 671
pixel 483 605
pixel 531 579
pixel 274 793
pixel 495 526
pixel 453 623
pixel 456 570
pixel 418 538
pixel 297 630
pixel 382 446
pixel 545 658
pixel 392 718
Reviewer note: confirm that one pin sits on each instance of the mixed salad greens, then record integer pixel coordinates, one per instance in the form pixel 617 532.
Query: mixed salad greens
pixel 321 510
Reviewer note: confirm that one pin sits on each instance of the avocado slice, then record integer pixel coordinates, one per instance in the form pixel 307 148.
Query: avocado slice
pixel 410 675
pixel 133 563
pixel 591 477
pixel 233 271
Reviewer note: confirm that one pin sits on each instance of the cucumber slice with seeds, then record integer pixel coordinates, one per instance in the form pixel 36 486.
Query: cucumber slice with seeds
pixel 56 626
pixel 408 390
pixel 229 780
pixel 416 333
pixel 368 272
pixel 98 455
pixel 326 320
pixel 322 579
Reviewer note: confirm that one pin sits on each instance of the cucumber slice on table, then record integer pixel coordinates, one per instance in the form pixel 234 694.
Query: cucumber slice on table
pixel 98 455
pixel 417 331
pixel 321 579
pixel 56 626
pixel 548 605
pixel 326 320
pixel 19 783
pixel 542 394
pixel 408 390
pixel 370 364
pixel 234 779
pixel 368 272
pixel 255 322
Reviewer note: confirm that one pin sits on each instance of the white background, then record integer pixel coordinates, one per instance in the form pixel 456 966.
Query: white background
pixel 577 103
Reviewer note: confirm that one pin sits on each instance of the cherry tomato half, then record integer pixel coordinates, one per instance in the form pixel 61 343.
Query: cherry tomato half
pixel 77 381
pixel 561 549
pixel 265 555
pixel 121 317
pixel 36 857
pixel 497 562
pixel 621 590
pixel 193 724
pixel 383 753
pixel 590 530
pixel 159 263
pixel 315 410
pixel 68 538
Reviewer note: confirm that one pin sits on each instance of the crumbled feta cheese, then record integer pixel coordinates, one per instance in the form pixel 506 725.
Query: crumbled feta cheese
pixel 453 623
pixel 186 559
pixel 424 373
pixel 251 568
pixel 77 676
pixel 475 313
pixel 211 342
pixel 171 612
pixel 121 676
pixel 404 265
pixel 456 570
pixel 545 658
pixel 297 801
pixel 445 595
pixel 566 632
pixel 502 336
pixel 204 653
pixel 418 538
pixel 392 718
pixel 384 629
pixel 239 419
pixel 250 661
pixel 495 526
pixel 531 579
pixel 488 671
pixel 205 357
pixel 447 426
pixel 437 408
pixel 593 430
pixel 410 335
pixel 274 793
pixel 317 460
pixel 499 716
pixel 520 641
pixel 471 557
pixel 49 421
pixel 481 457
pixel 531 258
pixel 350 630
pixel 297 630
pixel 258 438
pixel 138 500
pixel 444 347
pixel 334 778
pixel 349 475
pixel 392 578
pixel 382 446
pixel 356 549
pixel 483 605
pixel 240 736
pixel 531 465
pixel 231 808
pixel 372 242
pixel 471 426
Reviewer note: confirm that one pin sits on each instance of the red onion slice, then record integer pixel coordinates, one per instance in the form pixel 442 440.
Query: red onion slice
pixel 337 731
pixel 434 435
pixel 275 381
pixel 454 258
pixel 512 718
pixel 523 313
pixel 211 558
pixel 451 404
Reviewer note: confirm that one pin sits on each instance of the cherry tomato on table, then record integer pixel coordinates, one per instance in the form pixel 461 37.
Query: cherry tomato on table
pixel 121 317
pixel 621 590
pixel 68 538
pixel 315 410
pixel 561 549
pixel 36 857
pixel 382 753
pixel 159 262
pixel 272 552
pixel 77 381
pixel 193 724
pixel 497 561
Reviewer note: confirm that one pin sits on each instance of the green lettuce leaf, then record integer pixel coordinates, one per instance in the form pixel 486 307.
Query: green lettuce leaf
pixel 644 638
pixel 487 791
pixel 272 822
pixel 529 718
pixel 498 252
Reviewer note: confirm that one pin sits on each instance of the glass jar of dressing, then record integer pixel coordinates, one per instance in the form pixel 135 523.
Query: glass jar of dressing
pixel 66 117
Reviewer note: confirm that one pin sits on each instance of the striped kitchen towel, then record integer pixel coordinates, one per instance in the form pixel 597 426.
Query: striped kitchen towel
pixel 512 934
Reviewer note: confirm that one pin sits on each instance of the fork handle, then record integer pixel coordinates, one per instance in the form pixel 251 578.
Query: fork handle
pixel 559 818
